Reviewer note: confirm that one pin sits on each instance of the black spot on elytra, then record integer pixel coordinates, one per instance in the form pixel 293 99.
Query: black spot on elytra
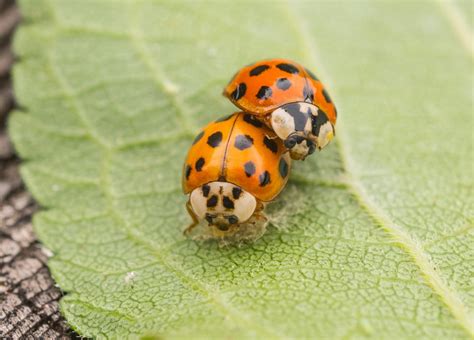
pixel 236 192
pixel 288 68
pixel 283 168
pixel 228 203
pixel 198 137
pixel 317 121
pixel 300 118
pixel 311 74
pixel 265 92
pixel 243 142
pixel 212 202
pixel 326 96
pixel 270 144
pixel 215 139
pixel 283 84
pixel 239 91
pixel 249 168
pixel 199 164
pixel 308 93
pixel 259 69
pixel 264 178
pixel 252 120
pixel 188 171
pixel 205 190
pixel 223 119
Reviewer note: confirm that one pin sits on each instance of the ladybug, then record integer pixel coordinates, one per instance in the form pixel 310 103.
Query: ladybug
pixel 234 166
pixel 289 99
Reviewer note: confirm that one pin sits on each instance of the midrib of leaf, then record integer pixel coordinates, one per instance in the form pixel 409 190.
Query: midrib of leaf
pixel 408 243
pixel 190 282
pixel 160 79
pixel 459 25
pixel 352 184
pixel 107 151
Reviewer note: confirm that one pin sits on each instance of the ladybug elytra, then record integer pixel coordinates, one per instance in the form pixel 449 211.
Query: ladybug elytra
pixel 235 165
pixel 289 99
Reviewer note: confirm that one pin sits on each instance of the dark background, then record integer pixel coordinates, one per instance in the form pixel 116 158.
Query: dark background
pixel 28 296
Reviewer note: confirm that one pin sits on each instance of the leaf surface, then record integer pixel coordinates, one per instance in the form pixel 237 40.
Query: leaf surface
pixel 373 237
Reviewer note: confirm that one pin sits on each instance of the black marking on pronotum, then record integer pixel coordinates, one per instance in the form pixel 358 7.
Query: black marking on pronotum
pixel 308 93
pixel 270 144
pixel 288 68
pixel 300 118
pixel 205 190
pixel 239 91
pixel 236 192
pixel 188 171
pixel 249 168
pixel 243 142
pixel 215 139
pixel 199 164
pixel 228 203
pixel 317 121
pixel 265 92
pixel 258 69
pixel 264 178
pixel 198 137
pixel 212 202
pixel 311 74
pixel 252 120
pixel 283 84
pixel 223 119
pixel 326 96
pixel 283 168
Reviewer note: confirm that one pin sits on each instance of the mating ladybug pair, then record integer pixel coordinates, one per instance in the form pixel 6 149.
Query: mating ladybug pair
pixel 239 162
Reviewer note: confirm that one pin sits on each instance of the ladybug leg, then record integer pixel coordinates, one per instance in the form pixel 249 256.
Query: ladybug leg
pixel 195 222
pixel 272 137
pixel 259 215
pixel 260 206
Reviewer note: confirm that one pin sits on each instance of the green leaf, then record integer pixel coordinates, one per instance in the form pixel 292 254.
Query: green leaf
pixel 373 237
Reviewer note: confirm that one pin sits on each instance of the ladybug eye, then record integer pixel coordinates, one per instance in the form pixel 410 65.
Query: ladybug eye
pixel 299 139
pixel 311 147
pixel 290 142
pixel 233 219
pixel 209 217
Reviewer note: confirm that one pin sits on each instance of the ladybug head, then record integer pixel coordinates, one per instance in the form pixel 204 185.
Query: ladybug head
pixel 222 204
pixel 303 127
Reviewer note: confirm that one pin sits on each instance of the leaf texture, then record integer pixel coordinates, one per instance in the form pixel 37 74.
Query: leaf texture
pixel 373 237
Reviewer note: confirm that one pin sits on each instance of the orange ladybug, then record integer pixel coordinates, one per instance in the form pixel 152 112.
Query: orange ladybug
pixel 290 100
pixel 234 166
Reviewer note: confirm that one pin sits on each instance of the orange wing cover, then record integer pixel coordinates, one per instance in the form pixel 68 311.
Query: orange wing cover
pixel 266 85
pixel 241 150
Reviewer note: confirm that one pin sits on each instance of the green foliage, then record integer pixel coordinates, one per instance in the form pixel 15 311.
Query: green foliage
pixel 373 237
